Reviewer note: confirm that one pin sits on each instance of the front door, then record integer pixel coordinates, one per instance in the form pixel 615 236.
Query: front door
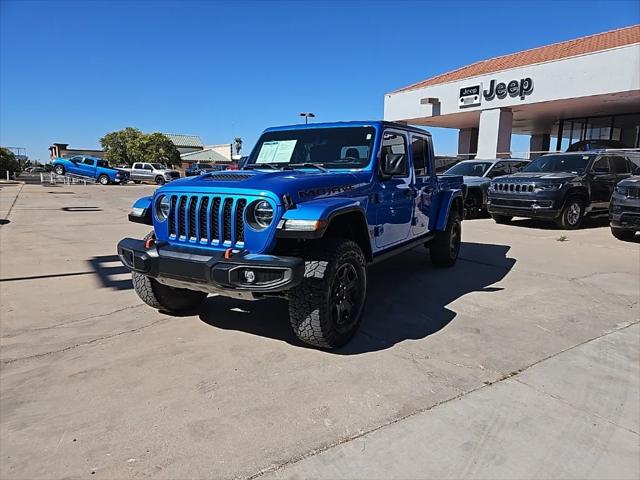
pixel 395 196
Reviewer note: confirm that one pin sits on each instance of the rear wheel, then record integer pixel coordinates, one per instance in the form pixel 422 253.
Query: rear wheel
pixel 444 249
pixel 59 169
pixel 159 180
pixel 572 214
pixel 103 179
pixel 501 219
pixel 622 233
pixel 326 308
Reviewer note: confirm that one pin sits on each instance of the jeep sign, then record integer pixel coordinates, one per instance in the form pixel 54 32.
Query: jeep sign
pixel 470 96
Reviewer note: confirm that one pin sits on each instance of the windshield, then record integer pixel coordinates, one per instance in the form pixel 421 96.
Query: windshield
pixel 559 163
pixel 343 147
pixel 158 166
pixel 469 169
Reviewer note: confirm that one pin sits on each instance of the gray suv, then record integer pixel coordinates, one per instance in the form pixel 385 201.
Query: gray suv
pixel 477 176
pixel 624 208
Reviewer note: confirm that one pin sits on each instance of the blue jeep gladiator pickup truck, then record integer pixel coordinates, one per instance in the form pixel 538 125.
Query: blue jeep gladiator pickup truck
pixel 313 206
pixel 90 167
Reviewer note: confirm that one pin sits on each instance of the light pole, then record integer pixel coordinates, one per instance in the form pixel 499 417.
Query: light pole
pixel 307 116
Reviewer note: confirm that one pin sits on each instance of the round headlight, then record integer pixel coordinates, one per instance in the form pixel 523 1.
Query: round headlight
pixel 261 215
pixel 163 207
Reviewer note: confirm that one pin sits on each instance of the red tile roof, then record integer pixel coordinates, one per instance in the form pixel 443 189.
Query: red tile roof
pixel 556 51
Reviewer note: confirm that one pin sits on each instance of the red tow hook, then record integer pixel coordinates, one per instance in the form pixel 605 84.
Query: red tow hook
pixel 150 241
pixel 227 253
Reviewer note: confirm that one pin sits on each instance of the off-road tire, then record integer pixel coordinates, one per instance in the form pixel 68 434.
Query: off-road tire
pixel 313 304
pixel 501 219
pixel 622 233
pixel 445 248
pixel 103 180
pixel 59 170
pixel 163 297
pixel 160 180
pixel 472 204
pixel 570 218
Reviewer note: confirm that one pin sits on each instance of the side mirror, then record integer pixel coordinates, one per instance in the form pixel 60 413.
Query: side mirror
pixel 394 165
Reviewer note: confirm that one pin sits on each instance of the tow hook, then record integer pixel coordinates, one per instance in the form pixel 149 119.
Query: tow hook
pixel 149 243
pixel 230 252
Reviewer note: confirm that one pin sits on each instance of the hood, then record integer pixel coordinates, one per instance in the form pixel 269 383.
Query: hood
pixel 301 185
pixel 630 182
pixel 544 177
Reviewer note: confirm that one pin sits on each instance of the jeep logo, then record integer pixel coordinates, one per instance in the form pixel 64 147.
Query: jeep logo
pixel 513 89
pixel 324 191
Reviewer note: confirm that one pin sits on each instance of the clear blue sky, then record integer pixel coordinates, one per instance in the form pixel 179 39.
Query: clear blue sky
pixel 72 71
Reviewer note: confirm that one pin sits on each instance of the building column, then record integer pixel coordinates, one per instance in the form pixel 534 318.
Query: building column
pixel 539 144
pixel 495 133
pixel 467 142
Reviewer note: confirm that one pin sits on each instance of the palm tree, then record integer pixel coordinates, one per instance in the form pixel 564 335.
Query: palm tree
pixel 237 144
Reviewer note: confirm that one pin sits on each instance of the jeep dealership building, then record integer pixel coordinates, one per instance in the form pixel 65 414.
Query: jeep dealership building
pixel 587 88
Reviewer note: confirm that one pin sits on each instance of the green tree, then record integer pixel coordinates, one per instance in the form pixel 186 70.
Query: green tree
pixel 122 147
pixel 159 148
pixel 8 163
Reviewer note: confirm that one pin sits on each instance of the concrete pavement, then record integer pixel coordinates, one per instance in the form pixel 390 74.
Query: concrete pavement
pixel 94 383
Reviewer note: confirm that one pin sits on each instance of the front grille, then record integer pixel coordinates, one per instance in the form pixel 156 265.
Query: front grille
pixel 174 174
pixel 513 187
pixel 207 219
pixel 518 203
pixel 633 192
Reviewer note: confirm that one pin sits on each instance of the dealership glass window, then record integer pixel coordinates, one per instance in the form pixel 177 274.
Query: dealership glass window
pixel 624 128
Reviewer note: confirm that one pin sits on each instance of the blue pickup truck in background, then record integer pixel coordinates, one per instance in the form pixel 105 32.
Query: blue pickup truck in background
pixel 312 208
pixel 90 167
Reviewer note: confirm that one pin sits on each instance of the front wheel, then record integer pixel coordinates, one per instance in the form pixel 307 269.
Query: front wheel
pixel 163 297
pixel 501 219
pixel 160 180
pixel 59 169
pixel 572 214
pixel 472 205
pixel 622 233
pixel 444 249
pixel 103 179
pixel 326 308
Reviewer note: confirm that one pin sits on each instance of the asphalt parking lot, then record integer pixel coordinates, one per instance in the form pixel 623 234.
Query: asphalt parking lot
pixel 521 361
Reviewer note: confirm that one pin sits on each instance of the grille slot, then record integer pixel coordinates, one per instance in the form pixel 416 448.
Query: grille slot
pixel 202 219
pixel 226 222
pixel 182 227
pixel 172 217
pixel 215 220
pixel 192 217
pixel 239 216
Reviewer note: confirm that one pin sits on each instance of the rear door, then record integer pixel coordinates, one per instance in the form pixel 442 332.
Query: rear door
pixel 425 183
pixel 603 181
pixel 395 196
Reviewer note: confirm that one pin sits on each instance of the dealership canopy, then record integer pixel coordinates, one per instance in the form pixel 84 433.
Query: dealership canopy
pixel 587 88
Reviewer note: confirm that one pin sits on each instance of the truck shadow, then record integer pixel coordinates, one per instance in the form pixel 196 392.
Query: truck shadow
pixel 408 299
pixel 587 223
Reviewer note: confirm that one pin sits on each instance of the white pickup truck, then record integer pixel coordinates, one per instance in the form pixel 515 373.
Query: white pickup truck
pixel 152 172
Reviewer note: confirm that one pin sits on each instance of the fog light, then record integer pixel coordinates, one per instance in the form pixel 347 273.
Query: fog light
pixel 249 276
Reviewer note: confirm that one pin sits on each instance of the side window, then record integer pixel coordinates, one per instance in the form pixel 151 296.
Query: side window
pixel 76 159
pixel 137 166
pixel 517 166
pixel 419 152
pixel 619 165
pixel 601 165
pixel 146 166
pixel 394 150
pixel 89 161
pixel 500 168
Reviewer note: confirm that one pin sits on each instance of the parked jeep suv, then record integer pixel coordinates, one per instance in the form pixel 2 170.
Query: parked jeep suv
pixel 559 187
pixel 477 176
pixel 624 211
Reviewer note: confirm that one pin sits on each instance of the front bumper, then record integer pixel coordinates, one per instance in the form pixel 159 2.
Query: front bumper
pixel 209 271
pixel 624 212
pixel 530 207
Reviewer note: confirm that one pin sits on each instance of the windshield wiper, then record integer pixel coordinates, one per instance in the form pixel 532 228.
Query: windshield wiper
pixel 308 164
pixel 261 165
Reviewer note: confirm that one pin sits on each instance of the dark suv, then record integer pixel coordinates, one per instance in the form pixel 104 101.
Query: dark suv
pixel 624 211
pixel 560 187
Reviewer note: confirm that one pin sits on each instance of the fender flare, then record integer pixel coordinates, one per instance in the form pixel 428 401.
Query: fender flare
pixel 141 211
pixel 447 199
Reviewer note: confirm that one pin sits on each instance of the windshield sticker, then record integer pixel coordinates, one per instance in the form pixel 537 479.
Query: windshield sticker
pixel 278 151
